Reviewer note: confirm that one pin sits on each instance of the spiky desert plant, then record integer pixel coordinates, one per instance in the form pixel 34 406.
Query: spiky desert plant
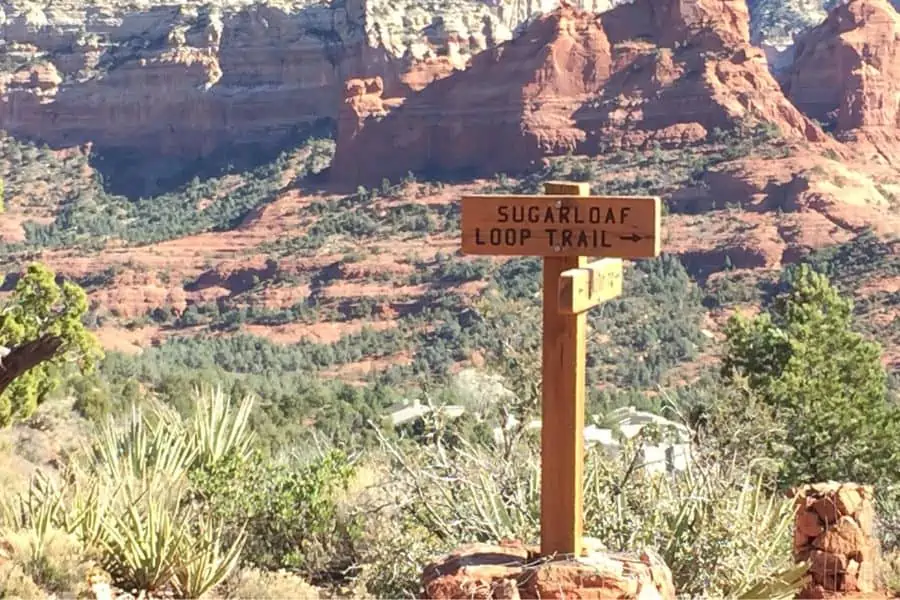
pixel 218 430
pixel 780 586
pixel 465 491
pixel 31 527
pixel 727 522
pixel 209 563
pixel 144 539
pixel 719 528
pixel 38 509
pixel 87 508
pixel 154 446
pixel 127 497
pixel 153 536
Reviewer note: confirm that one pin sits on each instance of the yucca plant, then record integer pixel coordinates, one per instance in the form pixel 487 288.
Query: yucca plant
pixel 38 509
pixel 32 524
pixel 729 524
pixel 467 493
pixel 766 518
pixel 217 430
pixel 87 508
pixel 127 497
pixel 142 541
pixel 207 561
pixel 157 447
pixel 780 586
pixel 718 527
pixel 152 535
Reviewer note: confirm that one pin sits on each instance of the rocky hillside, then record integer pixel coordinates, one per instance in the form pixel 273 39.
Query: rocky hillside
pixel 157 88
pixel 674 101
pixel 638 79
pixel 574 82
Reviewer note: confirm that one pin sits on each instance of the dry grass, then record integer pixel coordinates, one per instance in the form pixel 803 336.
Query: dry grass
pixel 52 559
pixel 15 583
pixel 40 443
pixel 253 584
pixel 890 571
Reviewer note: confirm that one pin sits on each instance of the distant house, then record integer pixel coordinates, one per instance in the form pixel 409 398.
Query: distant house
pixel 670 455
pixel 409 411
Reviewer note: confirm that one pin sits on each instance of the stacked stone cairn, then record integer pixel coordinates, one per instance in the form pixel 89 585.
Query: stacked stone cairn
pixel 833 531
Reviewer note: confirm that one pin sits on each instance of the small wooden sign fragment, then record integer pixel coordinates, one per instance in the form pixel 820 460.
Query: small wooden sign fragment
pixel 586 287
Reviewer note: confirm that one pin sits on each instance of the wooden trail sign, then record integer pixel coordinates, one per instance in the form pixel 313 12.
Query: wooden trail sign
pixel 564 226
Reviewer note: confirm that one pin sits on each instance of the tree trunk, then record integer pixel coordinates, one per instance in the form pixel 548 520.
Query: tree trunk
pixel 23 358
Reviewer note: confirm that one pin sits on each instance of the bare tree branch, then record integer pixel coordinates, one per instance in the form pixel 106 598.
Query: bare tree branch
pixel 25 357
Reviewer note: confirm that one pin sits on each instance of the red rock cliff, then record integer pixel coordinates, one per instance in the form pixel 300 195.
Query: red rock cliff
pixel 574 81
pixel 512 106
pixel 847 74
pixel 180 81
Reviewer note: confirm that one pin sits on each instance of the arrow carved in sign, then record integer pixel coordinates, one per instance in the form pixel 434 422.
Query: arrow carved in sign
pixel 632 238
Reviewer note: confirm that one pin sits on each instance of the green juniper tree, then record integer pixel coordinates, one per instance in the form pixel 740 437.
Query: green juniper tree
pixel 824 383
pixel 41 329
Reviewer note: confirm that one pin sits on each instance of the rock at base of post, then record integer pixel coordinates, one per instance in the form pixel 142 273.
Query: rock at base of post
pixel 512 571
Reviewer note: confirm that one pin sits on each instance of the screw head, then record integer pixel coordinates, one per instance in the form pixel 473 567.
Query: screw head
pixel 556 248
pixel 558 203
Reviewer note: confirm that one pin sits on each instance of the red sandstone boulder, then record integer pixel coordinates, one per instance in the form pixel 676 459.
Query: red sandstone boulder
pixel 511 571
pixel 833 530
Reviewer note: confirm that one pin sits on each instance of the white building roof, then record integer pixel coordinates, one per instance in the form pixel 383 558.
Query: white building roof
pixel 406 411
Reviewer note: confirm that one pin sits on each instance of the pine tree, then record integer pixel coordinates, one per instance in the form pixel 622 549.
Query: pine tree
pixel 823 381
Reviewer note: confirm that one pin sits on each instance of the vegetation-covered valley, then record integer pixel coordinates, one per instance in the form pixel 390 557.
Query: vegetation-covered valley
pixel 279 447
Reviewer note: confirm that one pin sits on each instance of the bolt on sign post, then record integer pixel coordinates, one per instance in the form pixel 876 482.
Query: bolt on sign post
pixel 565 225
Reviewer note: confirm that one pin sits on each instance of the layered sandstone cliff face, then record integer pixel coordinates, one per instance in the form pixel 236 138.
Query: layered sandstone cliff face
pixel 573 81
pixel 185 79
pixel 847 74
pixel 182 80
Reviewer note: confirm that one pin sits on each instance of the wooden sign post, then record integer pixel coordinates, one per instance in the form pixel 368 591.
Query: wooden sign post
pixel 564 226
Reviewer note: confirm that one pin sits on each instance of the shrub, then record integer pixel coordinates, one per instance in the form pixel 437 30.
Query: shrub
pixel 287 508
pixel 249 584
pixel 50 558
pixel 15 583
pixel 717 527
pixel 91 400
